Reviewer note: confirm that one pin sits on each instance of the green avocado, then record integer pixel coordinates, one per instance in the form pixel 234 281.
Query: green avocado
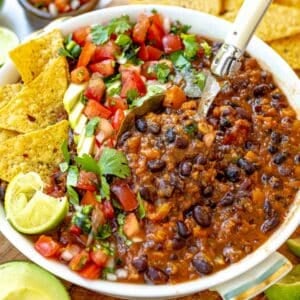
pixel 21 280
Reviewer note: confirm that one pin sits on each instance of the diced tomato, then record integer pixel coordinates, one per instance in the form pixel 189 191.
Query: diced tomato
pixel 149 53
pixel 118 119
pixel 130 67
pixel 148 70
pixel 79 261
pixel 95 109
pixel 174 97
pixel 46 246
pixel 132 81
pixel 80 35
pixel 86 54
pixel 171 43
pixel 80 75
pixel 91 271
pixel 75 229
pixel 99 257
pixel 108 210
pixel 96 88
pixel 109 50
pixel 157 19
pixel 116 103
pixel 89 198
pixel 125 195
pixel 104 131
pixel 62 6
pixel 105 68
pixel 140 29
pixel 87 181
pixel 155 36
pixel 131 225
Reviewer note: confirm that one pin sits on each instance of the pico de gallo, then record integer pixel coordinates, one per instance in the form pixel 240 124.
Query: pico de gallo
pixel 174 197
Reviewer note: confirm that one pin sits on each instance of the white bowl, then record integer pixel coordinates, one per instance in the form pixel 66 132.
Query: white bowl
pixel 213 28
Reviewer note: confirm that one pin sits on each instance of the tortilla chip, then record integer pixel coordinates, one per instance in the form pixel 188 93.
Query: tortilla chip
pixel 38 151
pixel 40 103
pixel 8 92
pixel 213 7
pixel 295 3
pixel 230 5
pixel 31 57
pixel 279 22
pixel 289 49
pixel 6 134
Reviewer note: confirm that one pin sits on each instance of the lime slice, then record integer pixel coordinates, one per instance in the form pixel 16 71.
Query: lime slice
pixel 28 209
pixel 294 245
pixel 287 288
pixel 8 41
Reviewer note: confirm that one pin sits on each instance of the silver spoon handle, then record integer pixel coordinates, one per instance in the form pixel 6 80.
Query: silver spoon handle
pixel 244 26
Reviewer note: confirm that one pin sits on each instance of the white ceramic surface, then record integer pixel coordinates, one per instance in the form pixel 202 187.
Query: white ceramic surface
pixel 214 28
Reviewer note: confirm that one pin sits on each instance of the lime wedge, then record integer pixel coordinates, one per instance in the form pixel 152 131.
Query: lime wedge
pixel 8 41
pixel 28 209
pixel 294 245
pixel 287 288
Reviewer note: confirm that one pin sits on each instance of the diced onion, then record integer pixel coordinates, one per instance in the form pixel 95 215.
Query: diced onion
pixel 111 277
pixel 167 25
pixel 121 273
pixel 70 252
pixel 75 4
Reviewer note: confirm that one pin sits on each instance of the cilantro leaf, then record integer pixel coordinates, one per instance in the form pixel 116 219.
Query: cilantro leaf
pixel 87 163
pixel 179 60
pixel 132 95
pixel 73 196
pixel 113 162
pixel 207 48
pixel 191 47
pixel 100 34
pixel 191 129
pixel 123 40
pixel 141 208
pixel 104 232
pixel 91 126
pixel 105 188
pixel 72 176
pixel 200 80
pixel 162 72
pixel 178 28
pixel 65 151
pixel 119 25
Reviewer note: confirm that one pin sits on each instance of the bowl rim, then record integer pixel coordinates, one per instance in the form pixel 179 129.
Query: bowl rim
pixel 289 83
pixel 46 15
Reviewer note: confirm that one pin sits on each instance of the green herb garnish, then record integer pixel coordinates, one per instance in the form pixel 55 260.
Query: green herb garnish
pixel 73 196
pixel 91 126
pixel 132 95
pixel 141 208
pixel 200 80
pixel 179 28
pixel 162 72
pixel 104 232
pixel 179 60
pixel 207 49
pixel 191 129
pixel 123 40
pixel 72 176
pixel 191 47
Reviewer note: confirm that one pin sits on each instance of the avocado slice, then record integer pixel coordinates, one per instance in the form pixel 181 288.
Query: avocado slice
pixel 75 114
pixel 72 94
pixel 22 280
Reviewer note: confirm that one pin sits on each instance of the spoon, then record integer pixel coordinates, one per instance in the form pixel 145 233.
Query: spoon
pixel 228 59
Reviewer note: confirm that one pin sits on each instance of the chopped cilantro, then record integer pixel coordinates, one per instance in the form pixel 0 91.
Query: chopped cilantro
pixel 121 220
pixel 123 40
pixel 141 208
pixel 191 47
pixel 179 60
pixel 200 80
pixel 129 54
pixel 88 163
pixel 178 28
pixel 207 49
pixel 105 189
pixel 154 11
pixel 73 196
pixel 162 72
pixel 107 248
pixel 67 156
pixel 191 129
pixel 120 25
pixel 104 232
pixel 114 91
pixel 82 221
pixel 91 126
pixel 107 271
pixel 72 176
pixel 132 95
pixel 112 79
pixel 100 34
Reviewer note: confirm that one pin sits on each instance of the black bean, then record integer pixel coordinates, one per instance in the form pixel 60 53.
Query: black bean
pixel 275 137
pixel 154 128
pixel 165 188
pixel 284 170
pixel 279 158
pixel 146 194
pixel 233 173
pixel 246 165
pixel 265 178
pixel 227 199
pixel 260 90
pixel 207 191
pixel 178 243
pixel 202 216
pixel 268 209
pixel 272 149
pixel 224 123
pixel 297 159
pixel 202 265
pixel 140 263
pixel 200 159
pixel 170 135
pixel 156 276
pixel 185 168
pixel 270 223
pixel 275 182
pixel 181 142
pixel 182 229
pixel 141 125
pixel 156 165
pixel 248 145
pixel 177 182
pixel 124 137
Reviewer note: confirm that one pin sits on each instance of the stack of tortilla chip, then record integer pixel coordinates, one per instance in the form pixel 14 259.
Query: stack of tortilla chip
pixel 280 27
pixel 31 125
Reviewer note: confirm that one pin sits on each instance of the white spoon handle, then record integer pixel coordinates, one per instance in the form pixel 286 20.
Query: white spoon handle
pixel 245 24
